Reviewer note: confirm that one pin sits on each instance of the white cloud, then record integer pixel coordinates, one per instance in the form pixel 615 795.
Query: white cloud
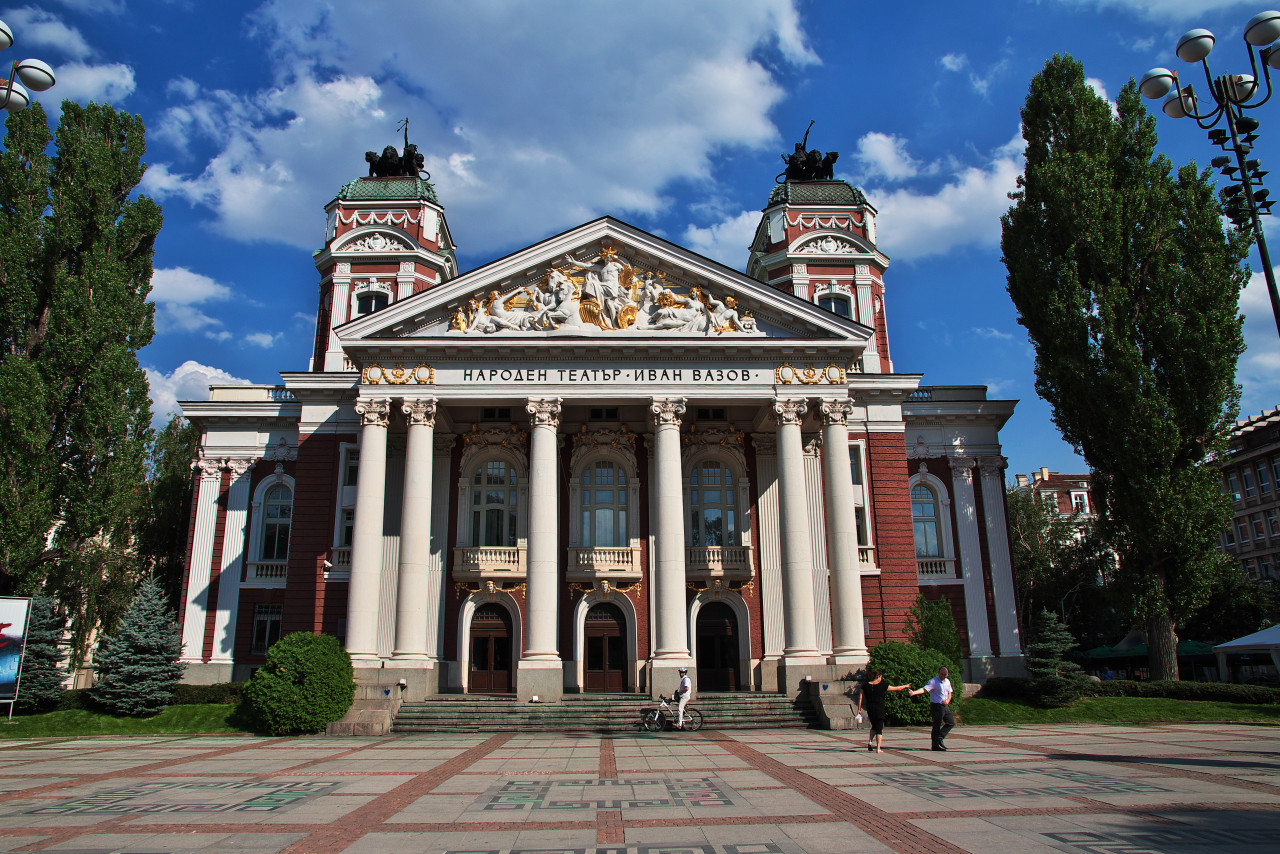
pixel 999 387
pixel 177 291
pixel 954 61
pixel 188 381
pixel 1159 10
pixel 885 156
pixel 102 83
pixel 182 87
pixel 725 241
pixel 262 339
pixel 965 211
pixel 1259 369
pixel 38 28
pixel 989 332
pixel 596 120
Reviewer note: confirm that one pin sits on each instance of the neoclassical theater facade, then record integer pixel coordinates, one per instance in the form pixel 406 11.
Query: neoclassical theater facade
pixel 595 460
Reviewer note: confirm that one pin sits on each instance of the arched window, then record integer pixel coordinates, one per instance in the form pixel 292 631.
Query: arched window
pixel 836 304
pixel 713 506
pixel 604 506
pixel 277 518
pixel 925 519
pixel 493 504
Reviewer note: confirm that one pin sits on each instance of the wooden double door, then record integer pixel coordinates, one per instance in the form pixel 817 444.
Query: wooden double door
pixel 492 646
pixel 716 635
pixel 605 664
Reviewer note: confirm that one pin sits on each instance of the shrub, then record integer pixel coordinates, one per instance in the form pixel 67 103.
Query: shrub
pixel 137 666
pixel 42 682
pixel 306 682
pixel 1225 692
pixel 902 663
pixel 932 625
pixel 1006 688
pixel 225 693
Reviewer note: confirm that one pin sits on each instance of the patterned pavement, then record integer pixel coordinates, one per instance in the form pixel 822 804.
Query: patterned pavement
pixel 1187 789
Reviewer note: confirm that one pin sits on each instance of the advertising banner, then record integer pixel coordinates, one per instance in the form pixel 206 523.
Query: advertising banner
pixel 13 634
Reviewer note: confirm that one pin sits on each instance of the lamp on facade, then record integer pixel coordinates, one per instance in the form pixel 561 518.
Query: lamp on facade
pixel 35 75
pixel 1244 201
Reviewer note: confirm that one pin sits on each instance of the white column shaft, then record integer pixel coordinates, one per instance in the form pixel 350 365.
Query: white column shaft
pixel 848 638
pixel 673 624
pixel 975 596
pixel 412 601
pixel 233 539
pixel 544 534
pixel 801 638
pixel 365 587
pixel 1001 565
pixel 197 604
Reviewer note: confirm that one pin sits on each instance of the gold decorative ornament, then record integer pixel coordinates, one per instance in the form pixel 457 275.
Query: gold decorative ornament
pixel 421 374
pixel 786 374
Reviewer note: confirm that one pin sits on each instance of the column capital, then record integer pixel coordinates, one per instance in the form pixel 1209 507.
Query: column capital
pixel 666 412
pixel 765 443
pixel 961 466
pixel 420 412
pixel 239 466
pixel 374 411
pixel 790 410
pixel 993 466
pixel 544 412
pixel 210 469
pixel 836 411
pixel 444 442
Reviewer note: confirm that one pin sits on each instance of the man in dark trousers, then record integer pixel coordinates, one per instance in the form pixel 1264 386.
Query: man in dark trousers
pixel 939 690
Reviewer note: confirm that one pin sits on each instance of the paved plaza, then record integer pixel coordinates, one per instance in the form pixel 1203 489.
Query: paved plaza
pixel 1193 788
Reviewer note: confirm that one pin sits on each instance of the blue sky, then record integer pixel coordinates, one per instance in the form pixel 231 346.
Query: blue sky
pixel 537 116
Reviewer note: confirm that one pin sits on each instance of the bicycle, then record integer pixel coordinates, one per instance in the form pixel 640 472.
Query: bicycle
pixel 656 720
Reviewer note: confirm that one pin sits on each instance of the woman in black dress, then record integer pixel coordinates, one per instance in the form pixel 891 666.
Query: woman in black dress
pixel 874 692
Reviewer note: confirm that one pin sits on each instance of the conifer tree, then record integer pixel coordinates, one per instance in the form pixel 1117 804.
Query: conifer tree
pixel 137 665
pixel 1050 643
pixel 1129 290
pixel 43 681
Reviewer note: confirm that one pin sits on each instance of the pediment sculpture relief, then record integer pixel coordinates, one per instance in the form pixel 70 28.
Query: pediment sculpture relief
pixel 606 293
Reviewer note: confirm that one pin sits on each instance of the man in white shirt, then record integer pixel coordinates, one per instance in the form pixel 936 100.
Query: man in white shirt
pixel 682 694
pixel 939 690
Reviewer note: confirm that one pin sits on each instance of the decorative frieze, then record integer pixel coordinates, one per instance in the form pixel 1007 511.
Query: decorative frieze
pixel 375 373
pixel 375 243
pixel 786 374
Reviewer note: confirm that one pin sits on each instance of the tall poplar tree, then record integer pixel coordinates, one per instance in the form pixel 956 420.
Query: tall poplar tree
pixel 1129 291
pixel 76 248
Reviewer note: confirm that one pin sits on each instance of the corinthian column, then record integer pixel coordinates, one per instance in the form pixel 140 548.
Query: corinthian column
pixel 364 588
pixel 196 611
pixel 1002 589
pixel 672 628
pixel 975 595
pixel 849 643
pixel 799 630
pixel 225 620
pixel 412 605
pixel 540 671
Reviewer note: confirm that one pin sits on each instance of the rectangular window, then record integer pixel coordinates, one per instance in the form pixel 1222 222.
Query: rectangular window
pixel 1259 532
pixel 1264 480
pixel 1050 500
pixel 351 468
pixel 1265 568
pixel 1233 486
pixel 1247 477
pixel 1247 566
pixel 266 627
pixel 860 516
pixel 855 463
pixel 1079 502
pixel 346 529
pixel 1242 529
pixel 1275 471
pixel 1273 521
pixel 1230 536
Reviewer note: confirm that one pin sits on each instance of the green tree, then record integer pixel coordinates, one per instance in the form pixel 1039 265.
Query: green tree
pixel 162 534
pixel 1237 606
pixel 1129 291
pixel 43 680
pixel 76 248
pixel 137 665
pixel 932 625
pixel 1055 681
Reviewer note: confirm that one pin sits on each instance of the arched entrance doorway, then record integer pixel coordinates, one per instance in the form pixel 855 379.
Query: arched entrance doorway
pixel 717 640
pixel 490 650
pixel 605 667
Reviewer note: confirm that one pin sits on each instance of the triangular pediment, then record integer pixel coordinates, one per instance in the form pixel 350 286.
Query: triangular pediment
pixel 608 283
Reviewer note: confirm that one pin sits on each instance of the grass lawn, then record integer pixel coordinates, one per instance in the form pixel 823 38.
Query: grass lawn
pixel 204 719
pixel 976 711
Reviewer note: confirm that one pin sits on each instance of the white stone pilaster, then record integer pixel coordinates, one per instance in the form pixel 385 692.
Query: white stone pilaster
pixel 801 644
pixel 544 530
pixel 766 447
pixel 196 613
pixel 975 598
pixel 365 587
pixel 339 311
pixel 233 540
pixel 849 643
pixel 673 623
pixel 1003 591
pixel 412 601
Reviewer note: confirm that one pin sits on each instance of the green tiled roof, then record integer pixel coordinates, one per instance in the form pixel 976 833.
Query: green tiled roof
pixel 396 189
pixel 817 193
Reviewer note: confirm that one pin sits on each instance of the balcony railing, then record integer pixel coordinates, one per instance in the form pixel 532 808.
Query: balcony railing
pixel 339 568
pixel 718 562
pixel 485 562
pixel 935 568
pixel 267 573
pixel 621 563
pixel 866 555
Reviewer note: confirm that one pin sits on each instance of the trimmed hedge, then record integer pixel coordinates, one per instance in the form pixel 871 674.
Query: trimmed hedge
pixel 902 663
pixel 224 693
pixel 1013 688
pixel 305 683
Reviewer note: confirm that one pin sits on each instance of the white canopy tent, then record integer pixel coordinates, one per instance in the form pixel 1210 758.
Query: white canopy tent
pixel 1266 641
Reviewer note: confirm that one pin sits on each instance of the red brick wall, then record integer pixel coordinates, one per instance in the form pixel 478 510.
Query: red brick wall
pixel 891 596
pixel 315 474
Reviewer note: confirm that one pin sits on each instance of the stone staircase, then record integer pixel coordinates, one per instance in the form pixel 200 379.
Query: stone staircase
pixel 594 713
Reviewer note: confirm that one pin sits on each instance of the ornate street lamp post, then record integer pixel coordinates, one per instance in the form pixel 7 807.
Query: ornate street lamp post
pixel 1244 202
pixel 34 74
